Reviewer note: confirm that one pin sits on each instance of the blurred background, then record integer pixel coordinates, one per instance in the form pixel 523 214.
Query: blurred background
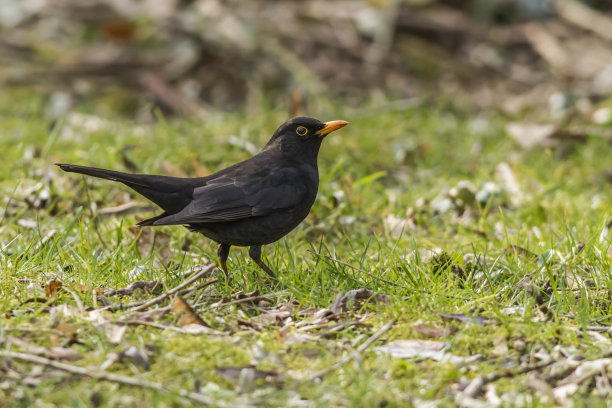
pixel 195 58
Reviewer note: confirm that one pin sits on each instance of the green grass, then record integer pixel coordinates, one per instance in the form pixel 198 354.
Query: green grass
pixel 390 163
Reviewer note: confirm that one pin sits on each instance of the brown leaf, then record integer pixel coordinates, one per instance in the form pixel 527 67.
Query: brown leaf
pixel 52 286
pixel 431 331
pixel 87 289
pixel 270 318
pixel 186 315
pixel 356 298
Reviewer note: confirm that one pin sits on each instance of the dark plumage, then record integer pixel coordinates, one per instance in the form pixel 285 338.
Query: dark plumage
pixel 252 203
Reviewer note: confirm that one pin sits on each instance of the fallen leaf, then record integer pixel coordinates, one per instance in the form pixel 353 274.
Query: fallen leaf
pixel 530 135
pixel 115 332
pixel 423 349
pixel 186 315
pixel 27 223
pixel 431 331
pixel 336 307
pixel 357 298
pixel 135 356
pixel 52 286
pixel 270 318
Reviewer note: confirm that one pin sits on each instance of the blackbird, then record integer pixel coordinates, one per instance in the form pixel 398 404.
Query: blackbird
pixel 252 203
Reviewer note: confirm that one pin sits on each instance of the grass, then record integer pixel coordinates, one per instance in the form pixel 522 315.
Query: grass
pixel 382 165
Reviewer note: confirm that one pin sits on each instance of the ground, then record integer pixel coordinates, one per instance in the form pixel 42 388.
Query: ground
pixel 442 263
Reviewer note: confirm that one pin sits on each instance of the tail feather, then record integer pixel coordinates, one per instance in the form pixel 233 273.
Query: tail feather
pixel 103 173
pixel 172 194
pixel 151 221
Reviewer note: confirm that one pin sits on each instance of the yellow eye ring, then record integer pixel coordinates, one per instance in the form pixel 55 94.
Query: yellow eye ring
pixel 301 130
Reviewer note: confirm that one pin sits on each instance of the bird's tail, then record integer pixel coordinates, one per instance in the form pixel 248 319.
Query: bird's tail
pixel 102 173
pixel 172 194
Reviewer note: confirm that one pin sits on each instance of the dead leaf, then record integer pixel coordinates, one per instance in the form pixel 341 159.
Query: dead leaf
pixel 431 331
pixel 115 332
pixel 186 315
pixel 51 287
pixel 27 223
pixel 270 318
pixel 135 356
pixel 357 298
pixel 423 349
pixel 531 135
pixel 336 307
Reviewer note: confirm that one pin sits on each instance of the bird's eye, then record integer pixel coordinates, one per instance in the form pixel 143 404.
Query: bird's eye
pixel 301 130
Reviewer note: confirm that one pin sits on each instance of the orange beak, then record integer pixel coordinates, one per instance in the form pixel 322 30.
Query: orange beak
pixel 331 126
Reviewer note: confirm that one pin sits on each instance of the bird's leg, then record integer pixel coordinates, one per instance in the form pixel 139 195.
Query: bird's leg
pixel 255 254
pixel 223 253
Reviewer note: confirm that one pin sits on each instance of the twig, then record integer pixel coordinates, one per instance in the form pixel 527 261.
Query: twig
pixel 104 375
pixel 475 386
pixel 585 17
pixel 171 292
pixel 388 282
pixel 162 327
pixel 363 347
pixel 199 287
pixel 132 287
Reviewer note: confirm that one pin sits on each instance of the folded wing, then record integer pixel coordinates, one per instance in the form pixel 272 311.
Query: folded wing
pixel 229 198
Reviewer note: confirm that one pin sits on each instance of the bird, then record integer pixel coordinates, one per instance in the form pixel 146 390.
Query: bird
pixel 249 204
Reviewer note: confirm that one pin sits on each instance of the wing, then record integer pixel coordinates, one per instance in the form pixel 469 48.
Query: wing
pixel 228 198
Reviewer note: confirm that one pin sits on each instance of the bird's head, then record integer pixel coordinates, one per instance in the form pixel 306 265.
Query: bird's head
pixel 303 135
